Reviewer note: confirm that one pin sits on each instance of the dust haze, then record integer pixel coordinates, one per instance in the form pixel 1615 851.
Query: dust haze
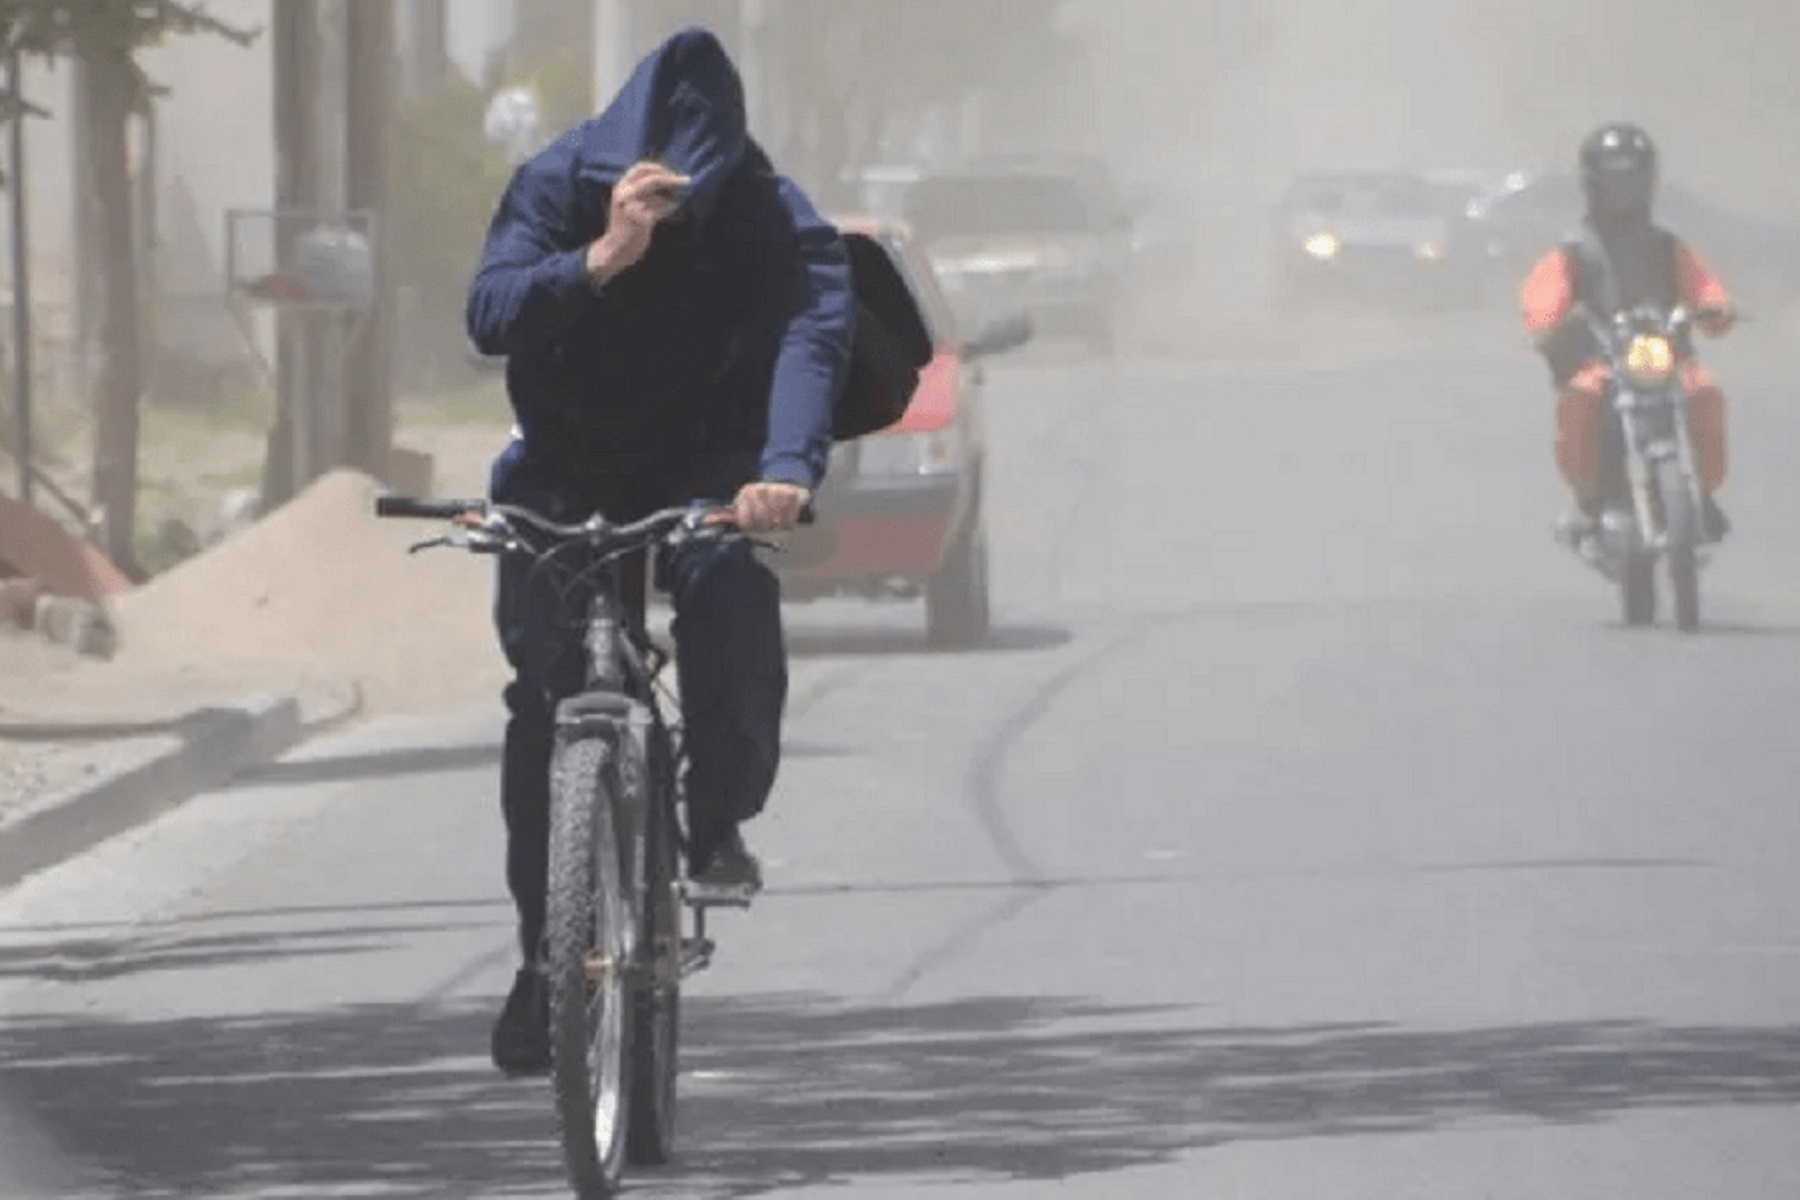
pixel 1219 104
pixel 1244 94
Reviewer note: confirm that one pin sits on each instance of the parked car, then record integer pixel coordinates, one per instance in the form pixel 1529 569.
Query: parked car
pixel 1045 233
pixel 1388 238
pixel 900 514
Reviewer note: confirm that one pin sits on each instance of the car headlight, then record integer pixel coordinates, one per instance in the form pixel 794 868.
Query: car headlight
pixel 1429 251
pixel 891 455
pixel 1649 360
pixel 1322 246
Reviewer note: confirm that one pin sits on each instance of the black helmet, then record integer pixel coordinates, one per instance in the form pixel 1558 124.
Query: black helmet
pixel 1618 172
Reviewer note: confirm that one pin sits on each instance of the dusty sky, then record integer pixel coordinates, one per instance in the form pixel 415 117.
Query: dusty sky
pixel 1447 83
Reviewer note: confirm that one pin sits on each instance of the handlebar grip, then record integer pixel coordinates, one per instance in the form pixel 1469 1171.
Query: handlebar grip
pixel 431 510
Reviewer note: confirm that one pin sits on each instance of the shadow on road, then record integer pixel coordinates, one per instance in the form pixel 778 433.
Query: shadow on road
pixel 379 764
pixel 1744 629
pixel 800 1090
pixel 824 641
pixel 812 642
pixel 176 947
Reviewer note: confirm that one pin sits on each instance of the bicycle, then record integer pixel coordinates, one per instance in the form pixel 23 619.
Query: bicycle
pixel 616 951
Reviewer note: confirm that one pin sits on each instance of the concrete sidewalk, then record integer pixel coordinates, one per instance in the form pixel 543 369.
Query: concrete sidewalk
pixel 88 751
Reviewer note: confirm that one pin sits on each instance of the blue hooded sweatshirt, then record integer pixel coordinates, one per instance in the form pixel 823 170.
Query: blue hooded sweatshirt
pixel 732 333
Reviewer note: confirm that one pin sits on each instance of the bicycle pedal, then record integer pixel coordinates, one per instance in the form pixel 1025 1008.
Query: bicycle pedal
pixel 700 895
pixel 696 955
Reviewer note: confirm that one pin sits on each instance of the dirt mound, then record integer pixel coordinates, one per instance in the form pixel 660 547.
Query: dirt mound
pixel 321 594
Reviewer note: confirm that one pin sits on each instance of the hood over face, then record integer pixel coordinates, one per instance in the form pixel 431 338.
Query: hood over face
pixel 684 107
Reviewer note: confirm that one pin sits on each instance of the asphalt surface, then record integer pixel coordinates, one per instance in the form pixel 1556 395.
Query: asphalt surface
pixel 1311 829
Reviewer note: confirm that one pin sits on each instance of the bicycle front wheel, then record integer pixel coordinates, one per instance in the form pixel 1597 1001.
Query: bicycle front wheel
pixel 587 919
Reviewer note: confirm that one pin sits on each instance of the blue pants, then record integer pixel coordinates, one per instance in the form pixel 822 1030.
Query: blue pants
pixel 731 659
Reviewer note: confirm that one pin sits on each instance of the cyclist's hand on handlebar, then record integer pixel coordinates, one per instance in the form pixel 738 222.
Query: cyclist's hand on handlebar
pixel 767 507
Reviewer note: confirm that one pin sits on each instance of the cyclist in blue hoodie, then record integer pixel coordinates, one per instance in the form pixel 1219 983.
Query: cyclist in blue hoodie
pixel 676 321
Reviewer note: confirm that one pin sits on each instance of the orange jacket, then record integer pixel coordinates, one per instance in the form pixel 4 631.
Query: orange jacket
pixel 1549 291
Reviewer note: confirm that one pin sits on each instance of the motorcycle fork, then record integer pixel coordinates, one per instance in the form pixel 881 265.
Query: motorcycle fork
pixel 1637 474
pixel 1684 454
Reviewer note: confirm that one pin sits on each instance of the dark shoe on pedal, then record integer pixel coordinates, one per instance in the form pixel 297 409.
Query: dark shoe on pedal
pixel 725 872
pixel 521 1041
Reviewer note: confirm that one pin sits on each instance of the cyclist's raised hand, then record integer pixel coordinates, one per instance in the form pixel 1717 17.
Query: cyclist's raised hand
pixel 647 194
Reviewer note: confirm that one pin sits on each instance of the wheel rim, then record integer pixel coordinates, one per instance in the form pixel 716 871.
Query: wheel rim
pixel 606 1004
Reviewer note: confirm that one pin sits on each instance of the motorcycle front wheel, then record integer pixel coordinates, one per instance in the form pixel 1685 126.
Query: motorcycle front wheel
pixel 1682 525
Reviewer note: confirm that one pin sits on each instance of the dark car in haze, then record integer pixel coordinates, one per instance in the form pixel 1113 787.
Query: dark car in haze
pixel 1371 237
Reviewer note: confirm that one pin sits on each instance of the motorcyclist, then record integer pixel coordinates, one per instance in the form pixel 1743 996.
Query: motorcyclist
pixel 676 319
pixel 1620 258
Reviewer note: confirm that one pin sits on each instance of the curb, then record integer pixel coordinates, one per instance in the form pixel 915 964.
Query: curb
pixel 195 754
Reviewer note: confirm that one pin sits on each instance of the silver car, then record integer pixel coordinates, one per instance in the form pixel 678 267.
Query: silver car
pixel 1369 237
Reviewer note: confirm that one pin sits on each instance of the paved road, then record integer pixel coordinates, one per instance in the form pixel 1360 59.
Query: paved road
pixel 1310 830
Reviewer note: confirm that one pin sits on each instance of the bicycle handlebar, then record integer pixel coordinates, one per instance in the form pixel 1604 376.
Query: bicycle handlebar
pixel 411 506
pixel 494 520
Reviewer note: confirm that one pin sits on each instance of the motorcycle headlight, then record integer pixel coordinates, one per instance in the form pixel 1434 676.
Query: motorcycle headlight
pixel 1649 360
pixel 1429 251
pixel 891 455
pixel 1322 246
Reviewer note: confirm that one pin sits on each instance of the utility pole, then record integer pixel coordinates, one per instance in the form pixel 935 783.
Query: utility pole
pixel 370 112
pixel 328 402
pixel 85 227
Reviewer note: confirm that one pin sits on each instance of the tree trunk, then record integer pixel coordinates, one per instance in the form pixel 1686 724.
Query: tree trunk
pixel 86 226
pixel 119 381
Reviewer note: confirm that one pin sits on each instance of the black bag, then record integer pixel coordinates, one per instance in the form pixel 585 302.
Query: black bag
pixel 888 349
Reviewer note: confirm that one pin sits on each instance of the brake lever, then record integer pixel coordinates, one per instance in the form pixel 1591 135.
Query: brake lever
pixel 478 539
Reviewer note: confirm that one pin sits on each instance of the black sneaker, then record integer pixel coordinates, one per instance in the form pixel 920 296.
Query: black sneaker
pixel 727 866
pixel 521 1041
